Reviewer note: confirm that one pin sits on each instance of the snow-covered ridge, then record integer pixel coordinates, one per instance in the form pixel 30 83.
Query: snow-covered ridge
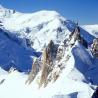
pixel 22 20
pixel 5 13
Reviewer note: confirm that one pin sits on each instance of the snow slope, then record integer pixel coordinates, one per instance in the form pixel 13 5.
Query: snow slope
pixel 71 83
pixel 10 88
pixel 13 54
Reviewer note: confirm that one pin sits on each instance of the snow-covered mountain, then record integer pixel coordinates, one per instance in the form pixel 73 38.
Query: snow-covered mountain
pixel 23 36
pixel 30 32
pixel 39 27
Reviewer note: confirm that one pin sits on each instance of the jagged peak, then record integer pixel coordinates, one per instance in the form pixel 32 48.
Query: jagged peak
pixel 2 8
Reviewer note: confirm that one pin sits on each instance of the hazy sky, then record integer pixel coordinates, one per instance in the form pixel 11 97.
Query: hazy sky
pixel 85 11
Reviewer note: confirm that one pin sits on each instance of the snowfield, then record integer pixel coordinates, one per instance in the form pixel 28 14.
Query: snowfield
pixel 23 36
pixel 92 29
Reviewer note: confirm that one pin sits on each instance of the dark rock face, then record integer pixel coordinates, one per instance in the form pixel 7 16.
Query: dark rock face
pixel 95 94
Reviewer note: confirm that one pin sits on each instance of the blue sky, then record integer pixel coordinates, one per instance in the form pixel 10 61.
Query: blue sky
pixel 85 11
